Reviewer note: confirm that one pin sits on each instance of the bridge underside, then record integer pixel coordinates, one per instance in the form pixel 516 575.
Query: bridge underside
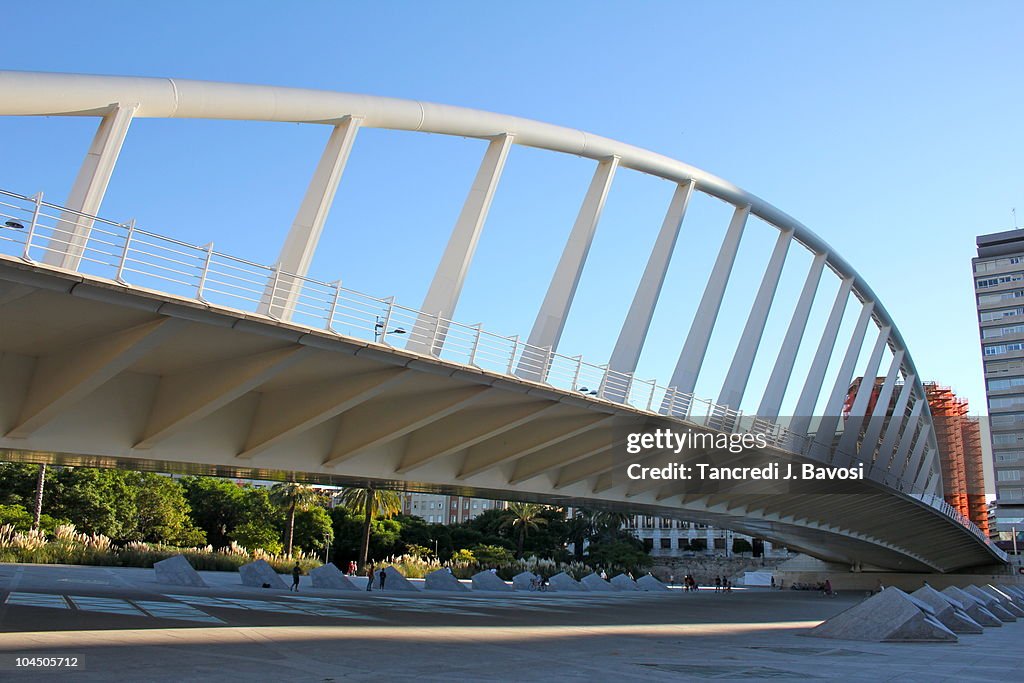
pixel 92 373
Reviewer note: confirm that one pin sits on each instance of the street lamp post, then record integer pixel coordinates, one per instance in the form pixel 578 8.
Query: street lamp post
pixel 379 333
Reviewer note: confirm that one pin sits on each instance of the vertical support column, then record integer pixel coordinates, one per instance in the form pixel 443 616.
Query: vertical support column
pixel 739 371
pixel 300 244
pixel 874 429
pixel 834 406
pixel 444 291
pixel 855 418
pixel 626 353
pixel 816 374
pixel 69 238
pixel 892 432
pixel 914 464
pixel 778 382
pixel 684 377
pixel 928 465
pixel 550 322
pixel 903 451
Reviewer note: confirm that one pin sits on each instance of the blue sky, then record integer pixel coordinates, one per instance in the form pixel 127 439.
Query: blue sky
pixel 893 130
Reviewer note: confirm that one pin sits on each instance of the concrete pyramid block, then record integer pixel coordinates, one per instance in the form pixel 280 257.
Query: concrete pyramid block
pixel 594 582
pixel 489 581
pixel 1016 591
pixel 973 607
pixel 176 570
pixel 523 581
pixel 443 580
pixel 1005 599
pixel 624 583
pixel 991 604
pixel 259 574
pixel 649 583
pixel 331 578
pixel 562 582
pixel 952 617
pixel 891 616
pixel 394 581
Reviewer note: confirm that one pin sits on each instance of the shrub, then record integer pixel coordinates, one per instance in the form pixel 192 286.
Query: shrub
pixel 69 546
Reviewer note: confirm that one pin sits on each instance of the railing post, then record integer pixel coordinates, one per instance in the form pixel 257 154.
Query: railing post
pixel 387 320
pixel 124 253
pixel 273 293
pixel 512 356
pixel 334 305
pixel 476 344
pixel 437 331
pixel 629 386
pixel 650 401
pixel 205 272
pixel 32 228
pixel 576 375
pixel 671 403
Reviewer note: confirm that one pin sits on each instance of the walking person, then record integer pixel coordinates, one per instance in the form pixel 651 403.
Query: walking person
pixel 718 584
pixel 383 575
pixel 369 577
pixel 296 573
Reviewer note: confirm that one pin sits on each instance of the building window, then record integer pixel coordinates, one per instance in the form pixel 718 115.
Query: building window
pixel 1005 401
pixel 988 316
pixel 1008 475
pixel 990 332
pixel 1008 383
pixel 666 544
pixel 1000 296
pixel 998 349
pixel 999 280
pixel 1009 456
pixel 989 266
pixel 1012 493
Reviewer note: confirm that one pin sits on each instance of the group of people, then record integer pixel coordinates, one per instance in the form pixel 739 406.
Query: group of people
pixel 825 587
pixel 381 576
pixel 723 584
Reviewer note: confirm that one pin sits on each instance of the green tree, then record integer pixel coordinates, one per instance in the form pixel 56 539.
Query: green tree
pixel 261 522
pixel 162 511
pixel 371 502
pixel 218 507
pixel 255 534
pixel 624 553
pixel 100 501
pixel 522 518
pixel 291 497
pixel 741 545
pixel 492 555
pixel 18 482
pixel 313 529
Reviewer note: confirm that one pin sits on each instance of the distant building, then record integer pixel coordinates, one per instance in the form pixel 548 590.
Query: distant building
pixel 999 292
pixel 441 509
pixel 666 538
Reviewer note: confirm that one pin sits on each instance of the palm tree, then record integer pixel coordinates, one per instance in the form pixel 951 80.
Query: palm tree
pixel 588 524
pixel 291 497
pixel 372 502
pixel 523 517
pixel 40 484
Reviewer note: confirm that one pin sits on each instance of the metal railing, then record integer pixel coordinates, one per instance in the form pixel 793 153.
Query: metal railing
pixel 37 231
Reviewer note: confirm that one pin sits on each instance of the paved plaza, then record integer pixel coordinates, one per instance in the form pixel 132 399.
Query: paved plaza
pixel 121 625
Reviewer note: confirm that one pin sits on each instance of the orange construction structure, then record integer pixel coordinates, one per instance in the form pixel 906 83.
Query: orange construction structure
pixel 959 440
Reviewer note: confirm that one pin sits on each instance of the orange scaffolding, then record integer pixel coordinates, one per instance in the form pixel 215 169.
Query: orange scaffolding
pixel 959 442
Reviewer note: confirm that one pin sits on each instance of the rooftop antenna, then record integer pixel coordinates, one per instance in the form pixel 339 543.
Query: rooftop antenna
pixel 1014 212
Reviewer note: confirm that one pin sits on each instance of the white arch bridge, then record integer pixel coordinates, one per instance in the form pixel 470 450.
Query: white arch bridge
pixel 123 347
